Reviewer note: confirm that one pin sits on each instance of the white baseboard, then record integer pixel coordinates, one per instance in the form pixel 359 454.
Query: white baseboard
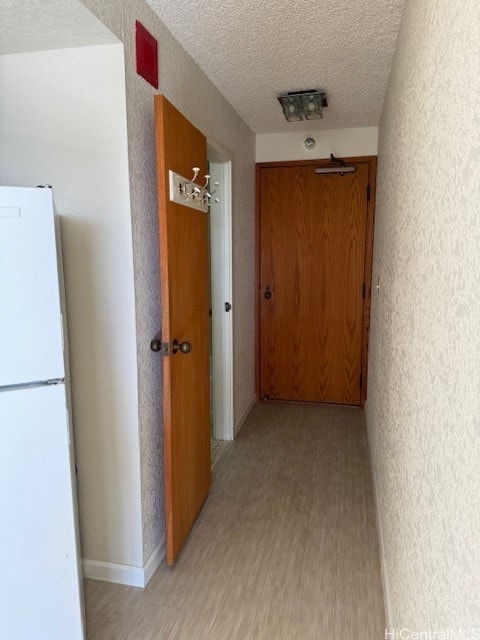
pixel 123 573
pixel 153 562
pixel 243 416
pixel 381 544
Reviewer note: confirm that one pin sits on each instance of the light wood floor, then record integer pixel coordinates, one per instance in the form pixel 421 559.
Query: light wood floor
pixel 284 549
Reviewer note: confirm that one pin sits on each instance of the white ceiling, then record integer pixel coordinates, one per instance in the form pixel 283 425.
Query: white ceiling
pixel 252 50
pixel 39 25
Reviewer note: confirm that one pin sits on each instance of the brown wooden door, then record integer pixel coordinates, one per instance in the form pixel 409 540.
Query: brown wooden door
pixel 312 262
pixel 184 290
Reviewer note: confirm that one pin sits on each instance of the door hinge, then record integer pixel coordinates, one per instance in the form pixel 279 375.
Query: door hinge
pixel 368 193
pixel 364 290
pixel 228 307
pixel 361 381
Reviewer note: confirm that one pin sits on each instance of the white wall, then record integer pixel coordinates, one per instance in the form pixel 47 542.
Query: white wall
pixel 276 147
pixel 188 88
pixel 63 121
pixel 423 409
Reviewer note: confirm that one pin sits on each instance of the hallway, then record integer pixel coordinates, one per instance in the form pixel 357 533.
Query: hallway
pixel 285 547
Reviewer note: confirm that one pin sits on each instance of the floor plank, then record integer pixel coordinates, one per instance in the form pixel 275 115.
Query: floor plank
pixel 358 606
pixel 250 571
pixel 236 617
pixel 286 562
pixel 152 623
pixel 276 615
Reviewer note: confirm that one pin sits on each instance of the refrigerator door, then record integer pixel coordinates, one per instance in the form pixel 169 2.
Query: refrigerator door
pixel 30 318
pixel 40 595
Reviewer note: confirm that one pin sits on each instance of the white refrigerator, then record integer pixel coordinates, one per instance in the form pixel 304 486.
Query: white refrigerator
pixel 40 583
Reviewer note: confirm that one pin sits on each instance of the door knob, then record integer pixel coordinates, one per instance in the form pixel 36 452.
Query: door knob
pixel 155 345
pixel 184 347
pixel 268 293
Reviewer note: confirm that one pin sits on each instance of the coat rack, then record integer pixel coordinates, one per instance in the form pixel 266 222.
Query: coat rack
pixel 190 193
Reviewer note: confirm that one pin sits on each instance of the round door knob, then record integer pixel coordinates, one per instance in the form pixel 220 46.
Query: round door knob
pixel 155 345
pixel 184 347
pixel 267 295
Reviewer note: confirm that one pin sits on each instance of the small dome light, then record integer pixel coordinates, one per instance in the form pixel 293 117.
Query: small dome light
pixel 310 143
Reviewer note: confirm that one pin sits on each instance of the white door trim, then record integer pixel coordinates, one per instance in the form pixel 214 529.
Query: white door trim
pixel 222 320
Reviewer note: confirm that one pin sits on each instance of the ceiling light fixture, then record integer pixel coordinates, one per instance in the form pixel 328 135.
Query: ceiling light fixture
pixel 307 104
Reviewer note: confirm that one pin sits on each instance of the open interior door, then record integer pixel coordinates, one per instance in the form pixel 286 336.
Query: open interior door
pixel 185 321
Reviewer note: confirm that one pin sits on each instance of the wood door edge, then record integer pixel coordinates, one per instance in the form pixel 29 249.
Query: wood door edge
pixel 369 237
pixel 257 281
pixel 165 328
pixel 162 189
pixel 369 240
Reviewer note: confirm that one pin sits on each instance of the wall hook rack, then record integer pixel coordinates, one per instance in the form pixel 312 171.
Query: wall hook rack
pixel 190 193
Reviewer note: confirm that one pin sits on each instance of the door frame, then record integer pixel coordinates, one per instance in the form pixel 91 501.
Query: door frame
pixel 371 161
pixel 222 290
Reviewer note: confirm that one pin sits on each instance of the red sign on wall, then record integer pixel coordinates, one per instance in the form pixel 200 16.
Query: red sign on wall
pixel 146 54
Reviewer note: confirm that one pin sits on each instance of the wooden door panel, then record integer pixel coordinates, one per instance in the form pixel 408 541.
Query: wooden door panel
pixel 312 251
pixel 183 237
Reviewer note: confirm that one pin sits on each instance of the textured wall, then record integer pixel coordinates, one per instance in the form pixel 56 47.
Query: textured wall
pixel 423 408
pixel 272 147
pixel 73 135
pixel 184 84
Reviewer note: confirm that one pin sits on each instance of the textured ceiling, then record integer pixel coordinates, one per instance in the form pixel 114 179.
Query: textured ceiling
pixel 253 50
pixel 39 25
